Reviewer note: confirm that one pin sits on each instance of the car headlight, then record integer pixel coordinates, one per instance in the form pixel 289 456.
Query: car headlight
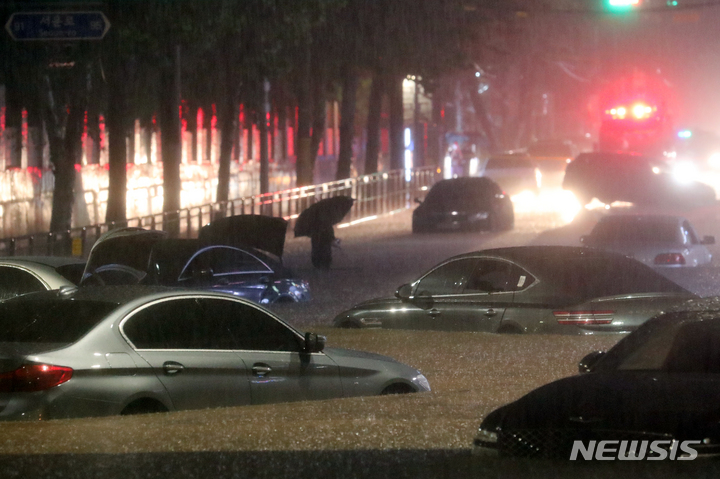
pixel 421 381
pixel 486 436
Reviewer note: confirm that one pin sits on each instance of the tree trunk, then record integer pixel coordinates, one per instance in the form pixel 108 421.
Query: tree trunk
pixel 192 128
pixel 227 125
pixel 13 123
pixel 117 152
pixel 305 170
pixel 264 150
pixel 283 127
pixel 435 150
pixel 372 148
pixel 319 120
pixel 482 116
pixel 347 123
pixel 146 132
pixel 397 142
pixel 171 147
pixel 207 126
pixel 35 141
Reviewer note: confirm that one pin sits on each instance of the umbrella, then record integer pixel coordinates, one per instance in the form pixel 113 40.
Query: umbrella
pixel 324 213
pixel 266 233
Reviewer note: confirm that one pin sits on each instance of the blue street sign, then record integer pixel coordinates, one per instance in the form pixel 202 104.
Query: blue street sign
pixel 57 26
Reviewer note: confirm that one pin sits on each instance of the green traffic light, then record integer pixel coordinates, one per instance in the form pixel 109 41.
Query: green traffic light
pixel 623 4
pixel 672 3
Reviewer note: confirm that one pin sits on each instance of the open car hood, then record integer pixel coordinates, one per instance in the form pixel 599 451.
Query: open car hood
pixel 264 233
pixel 129 247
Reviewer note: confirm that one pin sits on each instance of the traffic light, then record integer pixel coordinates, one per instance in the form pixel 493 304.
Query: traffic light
pixel 623 5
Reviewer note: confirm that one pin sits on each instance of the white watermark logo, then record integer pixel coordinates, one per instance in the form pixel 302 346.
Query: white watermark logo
pixel 658 450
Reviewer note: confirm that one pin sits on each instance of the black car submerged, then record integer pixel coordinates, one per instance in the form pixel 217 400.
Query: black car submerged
pixel 659 384
pixel 464 204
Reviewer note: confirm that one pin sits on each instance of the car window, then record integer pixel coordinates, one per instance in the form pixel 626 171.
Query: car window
pixel 177 324
pixel 689 236
pixel 251 328
pixel 492 276
pixel 224 260
pixel 49 321
pixel 72 272
pixel 450 278
pixel 14 281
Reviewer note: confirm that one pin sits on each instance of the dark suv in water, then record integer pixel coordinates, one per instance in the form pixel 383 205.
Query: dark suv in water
pixel 631 178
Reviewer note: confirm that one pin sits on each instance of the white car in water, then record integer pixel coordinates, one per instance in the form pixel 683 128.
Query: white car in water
pixel 656 240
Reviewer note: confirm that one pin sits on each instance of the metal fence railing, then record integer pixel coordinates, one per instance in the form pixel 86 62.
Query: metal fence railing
pixel 376 194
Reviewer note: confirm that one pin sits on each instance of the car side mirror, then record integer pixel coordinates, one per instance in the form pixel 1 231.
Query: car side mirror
pixel 314 343
pixel 586 364
pixel 708 240
pixel 404 292
pixel 418 201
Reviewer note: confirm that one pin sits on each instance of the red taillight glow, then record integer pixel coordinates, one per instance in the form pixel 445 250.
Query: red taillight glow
pixel 670 258
pixel 34 377
pixel 583 317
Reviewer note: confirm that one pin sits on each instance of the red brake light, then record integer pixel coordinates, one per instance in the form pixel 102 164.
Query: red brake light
pixel 34 377
pixel 583 317
pixel 670 258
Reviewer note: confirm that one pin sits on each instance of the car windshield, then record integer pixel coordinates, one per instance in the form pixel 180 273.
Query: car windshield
pixel 635 230
pixel 674 345
pixel 50 321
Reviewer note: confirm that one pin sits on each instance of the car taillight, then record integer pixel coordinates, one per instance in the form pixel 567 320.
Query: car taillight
pixel 670 258
pixel 583 317
pixel 34 377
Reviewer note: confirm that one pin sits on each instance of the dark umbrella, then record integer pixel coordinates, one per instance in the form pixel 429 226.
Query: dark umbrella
pixel 325 213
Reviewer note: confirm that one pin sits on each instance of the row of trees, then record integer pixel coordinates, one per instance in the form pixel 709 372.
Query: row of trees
pixel 268 55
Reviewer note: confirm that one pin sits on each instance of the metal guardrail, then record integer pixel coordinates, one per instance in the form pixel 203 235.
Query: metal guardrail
pixel 376 194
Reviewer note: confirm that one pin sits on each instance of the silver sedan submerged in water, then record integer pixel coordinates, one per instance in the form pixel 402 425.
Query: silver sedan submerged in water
pixel 102 351
pixel 525 289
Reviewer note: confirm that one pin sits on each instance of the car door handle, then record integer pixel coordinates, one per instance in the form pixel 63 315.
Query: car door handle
pixel 171 367
pixel 490 313
pixel 434 312
pixel 261 370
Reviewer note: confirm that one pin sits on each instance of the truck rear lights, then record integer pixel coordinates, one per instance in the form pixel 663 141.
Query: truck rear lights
pixel 670 259
pixel 582 318
pixel 34 377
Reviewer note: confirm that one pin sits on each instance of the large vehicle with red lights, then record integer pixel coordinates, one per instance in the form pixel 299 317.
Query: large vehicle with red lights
pixel 636 126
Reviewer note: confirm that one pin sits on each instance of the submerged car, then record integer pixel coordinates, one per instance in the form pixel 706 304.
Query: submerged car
pixel 658 384
pixel 111 350
pixel 632 178
pixel 464 204
pixel 525 289
pixel 28 274
pixel 656 240
pixel 240 255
